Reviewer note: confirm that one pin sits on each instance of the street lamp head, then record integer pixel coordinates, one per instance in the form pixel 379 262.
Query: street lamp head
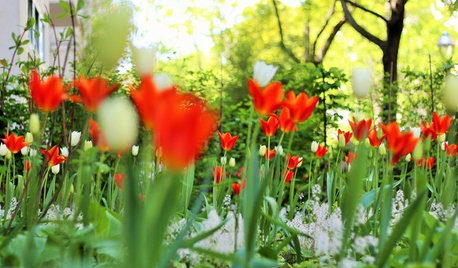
pixel 446 44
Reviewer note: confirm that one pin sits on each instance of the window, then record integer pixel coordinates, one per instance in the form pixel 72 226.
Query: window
pixel 37 34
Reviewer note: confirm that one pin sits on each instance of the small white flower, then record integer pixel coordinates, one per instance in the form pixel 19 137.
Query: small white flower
pixel 361 81
pixel 135 150
pixel 279 149
pixel 32 152
pixel 262 150
pixel 223 160
pixel 263 73
pixel 87 145
pixel 232 162
pixel 3 149
pixel 64 151
pixel 75 138
pixel 416 132
pixel 314 146
pixel 25 150
pixel 162 81
pixel 55 169
pixel 450 93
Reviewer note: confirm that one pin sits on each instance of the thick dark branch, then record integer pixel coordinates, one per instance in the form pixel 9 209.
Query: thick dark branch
pixel 282 40
pixel 360 29
pixel 327 44
pixel 367 10
pixel 328 18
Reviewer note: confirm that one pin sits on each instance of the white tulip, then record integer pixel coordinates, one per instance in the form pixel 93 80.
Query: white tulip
pixel 87 145
pixel 408 157
pixel 32 152
pixel 34 123
pixel 223 160
pixel 341 140
pixel 443 145
pixel 9 155
pixel 279 149
pixel 300 162
pixel 75 138
pixel 262 150
pixel 28 137
pixel 55 169
pixel 382 149
pixel 162 81
pixel 135 150
pixel 451 93
pixel 361 81
pixel 263 73
pixel 232 162
pixel 64 151
pixel 121 133
pixel 3 149
pixel 416 132
pixel 314 146
pixel 25 150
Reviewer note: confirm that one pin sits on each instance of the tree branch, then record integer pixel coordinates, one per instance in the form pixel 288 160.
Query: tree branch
pixel 360 29
pixel 328 18
pixel 367 10
pixel 327 44
pixel 282 40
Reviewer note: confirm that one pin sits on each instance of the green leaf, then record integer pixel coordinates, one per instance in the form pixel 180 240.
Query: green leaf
pixel 30 23
pixel 81 4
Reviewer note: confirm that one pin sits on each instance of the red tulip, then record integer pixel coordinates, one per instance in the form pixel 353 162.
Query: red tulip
pixel 217 174
pixel 301 107
pixel 429 162
pixel 236 188
pixel 52 156
pixel 119 179
pixel 451 149
pixel 268 100
pixel 270 154
pixel 97 136
pixel 360 129
pixel 399 144
pixel 321 151
pixel 27 166
pixel 437 127
pixel 350 157
pixel 373 138
pixel 346 134
pixel 14 143
pixel 293 162
pixel 47 95
pixel 227 140
pixel 288 175
pixel 270 126
pixel 286 122
pixel 93 91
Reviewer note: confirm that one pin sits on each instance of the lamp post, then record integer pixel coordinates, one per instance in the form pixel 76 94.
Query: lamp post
pixel 446 45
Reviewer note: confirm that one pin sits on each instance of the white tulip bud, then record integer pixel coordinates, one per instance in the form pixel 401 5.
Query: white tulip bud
pixel 451 93
pixel 122 133
pixel 418 151
pixel 408 157
pixel 32 152
pixel 441 138
pixel 34 123
pixel 135 150
pixel 314 146
pixel 9 154
pixel 232 162
pixel 416 131
pixel 223 160
pixel 443 145
pixel 162 81
pixel 279 150
pixel 263 73
pixel 144 60
pixel 87 145
pixel 341 140
pixel 64 151
pixel 25 150
pixel 361 81
pixel 28 137
pixel 3 149
pixel 262 150
pixel 300 162
pixel 55 169
pixel 382 149
pixel 75 138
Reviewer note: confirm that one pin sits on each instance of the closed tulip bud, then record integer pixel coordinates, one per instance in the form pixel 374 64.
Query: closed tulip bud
pixel 25 150
pixel 263 73
pixel 314 146
pixel 382 149
pixel 427 144
pixel 416 131
pixel 223 160
pixel 441 138
pixel 28 137
pixel 361 81
pixel 55 169
pixel 418 151
pixel 135 150
pixel 408 157
pixel 341 140
pixel 279 150
pixel 262 150
pixel 75 138
pixel 443 145
pixel 32 152
pixel 162 81
pixel 300 162
pixel 64 151
pixel 72 189
pixel 9 154
pixel 370 153
pixel 121 134
pixel 450 93
pixel 34 124
pixel 232 162
pixel 87 145
pixel 3 149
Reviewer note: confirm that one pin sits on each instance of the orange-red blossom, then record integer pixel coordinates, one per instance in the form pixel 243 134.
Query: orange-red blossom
pixel 227 140
pixel 301 107
pixel 321 151
pixel 360 129
pixel 438 126
pixel 399 144
pixel 268 100
pixel 14 143
pixel 52 156
pixel 93 91
pixel 270 126
pixel 47 94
